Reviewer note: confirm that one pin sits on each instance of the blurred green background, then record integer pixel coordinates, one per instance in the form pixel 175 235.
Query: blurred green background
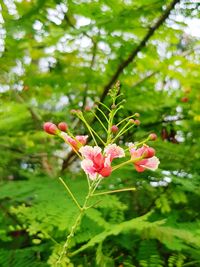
pixel 60 55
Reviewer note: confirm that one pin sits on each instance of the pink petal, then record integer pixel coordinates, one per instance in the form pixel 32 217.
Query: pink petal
pixel 136 153
pixel 89 152
pixel 151 163
pixel 82 139
pixel 87 166
pixel 114 151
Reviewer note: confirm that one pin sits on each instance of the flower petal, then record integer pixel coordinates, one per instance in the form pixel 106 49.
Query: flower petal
pixel 82 139
pixel 151 163
pixel 87 166
pixel 89 152
pixel 114 151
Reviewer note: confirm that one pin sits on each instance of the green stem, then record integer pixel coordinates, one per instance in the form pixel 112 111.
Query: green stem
pixel 76 224
pixel 114 191
pixel 142 142
pixel 102 114
pixel 70 193
pixel 89 129
pixel 127 162
pixel 103 105
pixel 98 136
pixel 121 131
pixel 99 120
pixel 127 118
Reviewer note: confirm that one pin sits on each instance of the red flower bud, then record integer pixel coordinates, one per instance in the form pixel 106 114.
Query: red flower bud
pixel 87 108
pixel 148 152
pixel 114 129
pixel 50 128
pixel 73 111
pixel 184 99
pixel 63 126
pixel 152 137
pixel 137 122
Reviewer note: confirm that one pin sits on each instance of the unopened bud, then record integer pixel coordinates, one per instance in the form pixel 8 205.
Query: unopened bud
pixel 137 115
pixel 152 137
pixel 132 121
pixel 113 106
pixel 73 111
pixel 114 129
pixel 50 128
pixel 87 108
pixel 149 152
pixel 26 88
pixel 63 126
pixel 184 99
pixel 137 122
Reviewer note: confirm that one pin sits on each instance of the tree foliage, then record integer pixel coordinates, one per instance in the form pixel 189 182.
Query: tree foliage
pixel 60 55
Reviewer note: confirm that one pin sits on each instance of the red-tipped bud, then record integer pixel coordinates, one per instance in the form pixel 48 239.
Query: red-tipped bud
pixel 137 122
pixel 184 99
pixel 50 128
pixel 149 152
pixel 63 126
pixel 152 137
pixel 87 108
pixel 137 115
pixel 73 111
pixel 114 129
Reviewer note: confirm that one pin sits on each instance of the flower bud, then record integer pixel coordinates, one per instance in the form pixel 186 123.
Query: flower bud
pixel 152 137
pixel 184 99
pixel 73 111
pixel 114 129
pixel 149 152
pixel 87 108
pixel 137 115
pixel 132 121
pixel 137 122
pixel 50 128
pixel 113 106
pixel 63 126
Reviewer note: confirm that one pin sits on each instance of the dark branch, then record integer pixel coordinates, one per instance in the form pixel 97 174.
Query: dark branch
pixel 135 51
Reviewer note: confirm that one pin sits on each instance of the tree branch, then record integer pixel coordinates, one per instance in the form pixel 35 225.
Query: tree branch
pixel 136 50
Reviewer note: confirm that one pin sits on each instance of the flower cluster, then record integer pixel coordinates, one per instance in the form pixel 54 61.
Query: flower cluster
pixel 95 161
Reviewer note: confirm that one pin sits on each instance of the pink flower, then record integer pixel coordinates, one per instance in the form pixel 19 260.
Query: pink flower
pixel 77 142
pixel 143 158
pixel 95 163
